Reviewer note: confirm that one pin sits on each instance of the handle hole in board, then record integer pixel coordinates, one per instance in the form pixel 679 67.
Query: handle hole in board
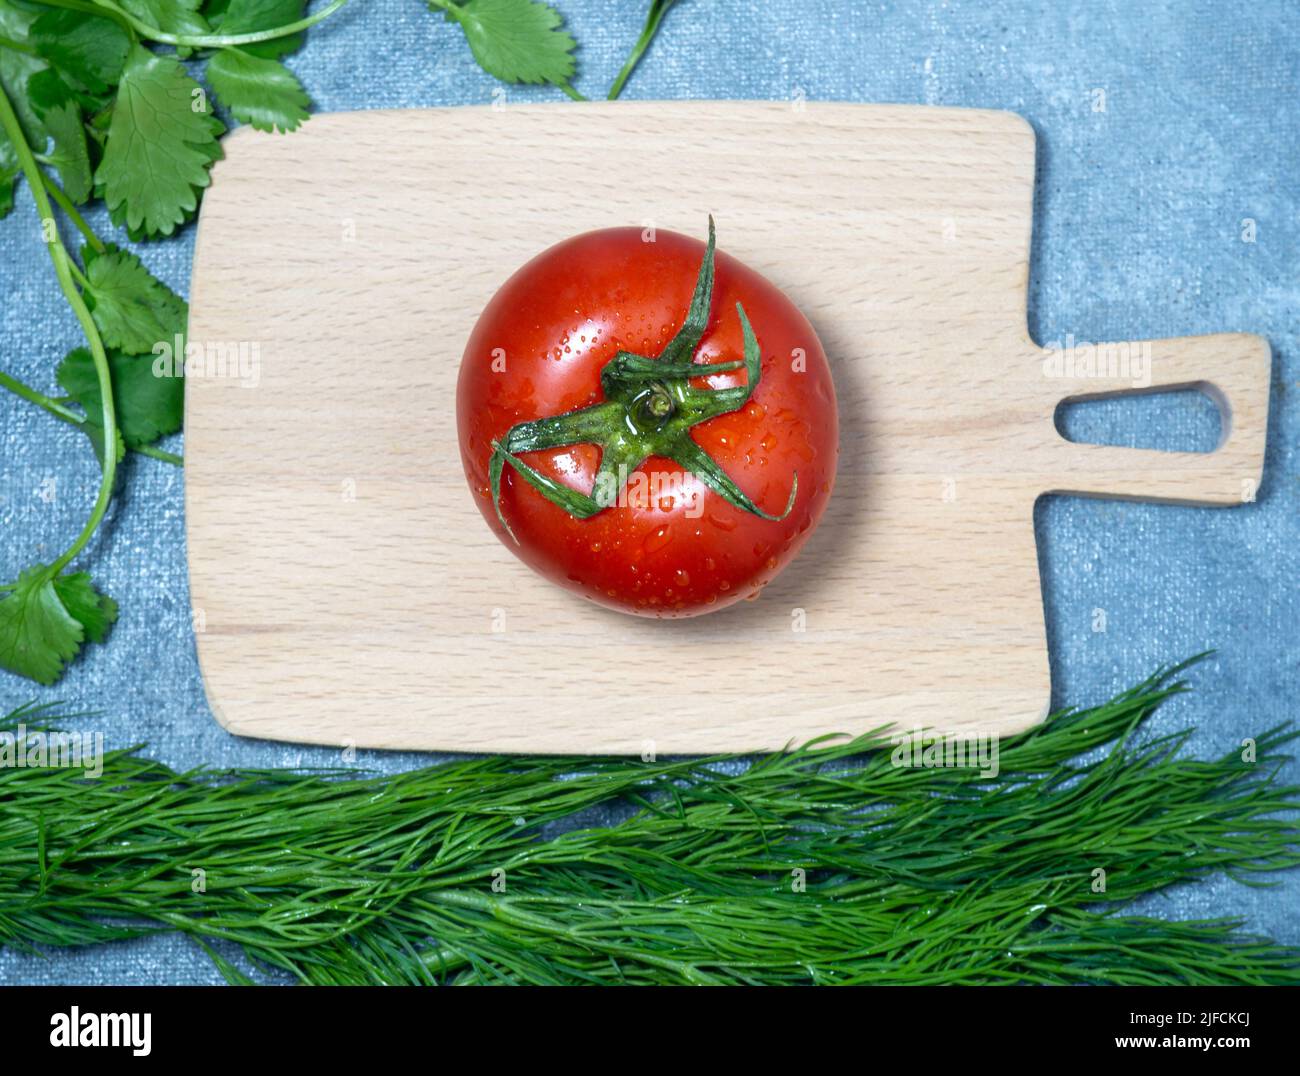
pixel 1181 420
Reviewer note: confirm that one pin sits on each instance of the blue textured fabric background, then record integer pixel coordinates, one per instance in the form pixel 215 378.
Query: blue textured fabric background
pixel 1138 234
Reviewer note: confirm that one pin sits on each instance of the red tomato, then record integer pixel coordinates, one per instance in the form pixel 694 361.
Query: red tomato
pixel 670 546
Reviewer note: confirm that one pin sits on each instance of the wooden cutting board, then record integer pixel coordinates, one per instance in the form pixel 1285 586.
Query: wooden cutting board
pixel 346 590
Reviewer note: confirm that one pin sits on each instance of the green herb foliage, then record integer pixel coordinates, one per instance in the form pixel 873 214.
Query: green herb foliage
pixel 86 97
pixel 515 40
pixel 97 105
pixel 473 871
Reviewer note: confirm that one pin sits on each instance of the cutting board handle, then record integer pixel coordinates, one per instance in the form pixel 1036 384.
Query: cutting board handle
pixel 1232 369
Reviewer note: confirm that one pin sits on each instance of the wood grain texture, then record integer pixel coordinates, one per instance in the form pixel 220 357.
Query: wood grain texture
pixel 345 586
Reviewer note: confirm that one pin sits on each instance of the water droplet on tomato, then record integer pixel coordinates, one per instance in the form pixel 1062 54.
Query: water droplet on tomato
pixel 768 442
pixel 709 564
pixel 657 539
pixel 595 547
pixel 683 578
pixel 724 585
pixel 722 523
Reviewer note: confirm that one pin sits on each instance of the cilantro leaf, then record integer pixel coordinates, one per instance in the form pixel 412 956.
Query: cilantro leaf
pixel 172 16
pixel 89 50
pixel 257 90
pixel 248 16
pixel 44 619
pixel 148 406
pixel 95 612
pixel 70 155
pixel 60 115
pixel 515 40
pixel 16 67
pixel 159 148
pixel 80 374
pixel 46 90
pixel 46 107
pixel 133 309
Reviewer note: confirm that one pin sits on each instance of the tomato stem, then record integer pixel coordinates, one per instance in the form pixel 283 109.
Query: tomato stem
pixel 649 409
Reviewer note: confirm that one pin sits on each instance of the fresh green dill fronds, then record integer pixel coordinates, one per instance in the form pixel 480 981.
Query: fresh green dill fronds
pixel 827 864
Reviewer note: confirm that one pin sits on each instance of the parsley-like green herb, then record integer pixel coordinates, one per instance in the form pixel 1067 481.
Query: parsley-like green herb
pixel 159 148
pixel 45 617
pixel 821 865
pixel 132 309
pixel 258 91
pixel 148 407
pixel 86 96
pixel 515 40
pixel 97 105
pixel 524 41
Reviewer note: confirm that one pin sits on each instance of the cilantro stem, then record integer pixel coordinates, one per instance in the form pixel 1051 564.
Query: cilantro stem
pixel 211 41
pixel 65 203
pixel 160 454
pixel 658 10
pixel 66 414
pixel 31 395
pixel 17 46
pixel 76 272
pixel 61 260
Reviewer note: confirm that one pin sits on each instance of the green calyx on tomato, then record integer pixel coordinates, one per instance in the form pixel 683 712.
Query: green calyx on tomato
pixel 648 410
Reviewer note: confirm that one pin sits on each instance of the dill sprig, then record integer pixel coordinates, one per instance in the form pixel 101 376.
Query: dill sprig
pixel 826 864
